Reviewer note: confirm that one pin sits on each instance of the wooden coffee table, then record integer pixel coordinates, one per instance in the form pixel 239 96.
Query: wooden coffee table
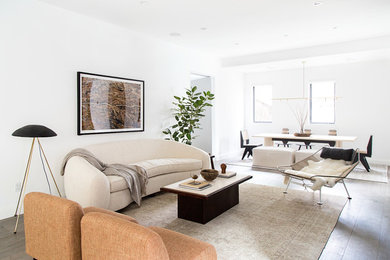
pixel 202 206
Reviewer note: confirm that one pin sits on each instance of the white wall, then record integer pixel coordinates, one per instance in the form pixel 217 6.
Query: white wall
pixel 229 113
pixel 41 49
pixel 362 110
pixel 203 138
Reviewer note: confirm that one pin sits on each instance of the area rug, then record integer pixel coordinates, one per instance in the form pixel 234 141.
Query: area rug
pixel 266 224
pixel 378 173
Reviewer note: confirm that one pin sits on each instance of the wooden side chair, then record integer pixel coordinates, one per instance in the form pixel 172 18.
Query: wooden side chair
pixel 366 153
pixel 244 141
pixel 284 142
pixel 307 144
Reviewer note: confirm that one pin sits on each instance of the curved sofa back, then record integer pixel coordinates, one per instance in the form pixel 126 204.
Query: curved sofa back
pixel 132 151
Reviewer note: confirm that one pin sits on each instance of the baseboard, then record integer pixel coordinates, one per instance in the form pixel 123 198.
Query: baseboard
pixel 378 161
pixel 6 213
pixel 229 155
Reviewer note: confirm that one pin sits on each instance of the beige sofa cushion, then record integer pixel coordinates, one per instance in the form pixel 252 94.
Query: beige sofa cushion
pixel 157 167
pixel 117 183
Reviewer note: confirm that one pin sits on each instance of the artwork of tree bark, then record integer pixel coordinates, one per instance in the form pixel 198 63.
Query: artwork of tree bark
pixel 109 104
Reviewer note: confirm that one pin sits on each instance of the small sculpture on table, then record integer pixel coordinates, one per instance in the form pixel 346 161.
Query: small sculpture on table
pixel 194 176
pixel 224 173
pixel 223 168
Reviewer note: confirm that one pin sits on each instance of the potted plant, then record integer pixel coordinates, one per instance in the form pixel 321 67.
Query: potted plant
pixel 187 112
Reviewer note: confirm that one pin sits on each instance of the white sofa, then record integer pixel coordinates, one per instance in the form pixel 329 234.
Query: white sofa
pixel 165 162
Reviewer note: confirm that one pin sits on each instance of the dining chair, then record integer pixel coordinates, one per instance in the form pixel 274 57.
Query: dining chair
pixel 285 131
pixel 332 132
pixel 244 141
pixel 366 153
pixel 306 144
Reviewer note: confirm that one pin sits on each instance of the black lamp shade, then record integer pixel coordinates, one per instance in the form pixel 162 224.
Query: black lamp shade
pixel 34 131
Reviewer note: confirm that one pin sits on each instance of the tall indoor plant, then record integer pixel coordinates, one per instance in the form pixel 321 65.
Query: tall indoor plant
pixel 187 112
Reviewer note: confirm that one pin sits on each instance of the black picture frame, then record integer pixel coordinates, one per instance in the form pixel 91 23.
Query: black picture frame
pixel 109 104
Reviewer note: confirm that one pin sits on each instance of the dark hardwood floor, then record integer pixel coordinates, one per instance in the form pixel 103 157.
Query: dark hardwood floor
pixel 362 232
pixel 363 229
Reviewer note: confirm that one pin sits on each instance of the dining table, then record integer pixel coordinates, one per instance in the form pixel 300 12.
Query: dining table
pixel 332 140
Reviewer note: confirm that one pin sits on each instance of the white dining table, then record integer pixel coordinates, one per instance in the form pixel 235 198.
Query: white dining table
pixel 336 140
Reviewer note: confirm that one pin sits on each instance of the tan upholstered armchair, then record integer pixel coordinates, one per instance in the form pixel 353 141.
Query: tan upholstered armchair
pixel 109 237
pixel 53 231
pixel 52 226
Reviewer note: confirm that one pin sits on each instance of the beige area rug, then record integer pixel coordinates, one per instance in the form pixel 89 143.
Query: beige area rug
pixel 266 224
pixel 378 173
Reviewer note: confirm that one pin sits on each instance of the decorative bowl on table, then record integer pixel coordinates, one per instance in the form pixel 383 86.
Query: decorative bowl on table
pixel 302 134
pixel 209 174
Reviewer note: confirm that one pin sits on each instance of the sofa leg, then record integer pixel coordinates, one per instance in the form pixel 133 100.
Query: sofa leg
pixel 212 161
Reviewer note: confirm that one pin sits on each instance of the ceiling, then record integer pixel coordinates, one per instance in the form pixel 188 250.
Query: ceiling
pixel 229 28
pixel 317 61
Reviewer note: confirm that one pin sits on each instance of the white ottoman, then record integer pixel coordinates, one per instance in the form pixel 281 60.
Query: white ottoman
pixel 272 157
pixel 303 154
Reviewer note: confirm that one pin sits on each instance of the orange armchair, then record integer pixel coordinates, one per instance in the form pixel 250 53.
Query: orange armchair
pixel 109 237
pixel 52 226
pixel 53 231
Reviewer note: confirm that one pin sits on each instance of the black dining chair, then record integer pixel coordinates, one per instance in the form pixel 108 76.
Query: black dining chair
pixel 367 153
pixel 306 144
pixel 285 143
pixel 244 141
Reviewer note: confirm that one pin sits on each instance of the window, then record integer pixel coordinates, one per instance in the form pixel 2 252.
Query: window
pixel 262 104
pixel 322 102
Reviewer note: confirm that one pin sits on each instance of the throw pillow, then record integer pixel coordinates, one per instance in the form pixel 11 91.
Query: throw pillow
pixel 337 153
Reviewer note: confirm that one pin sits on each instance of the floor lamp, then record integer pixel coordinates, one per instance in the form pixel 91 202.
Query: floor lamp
pixel 35 132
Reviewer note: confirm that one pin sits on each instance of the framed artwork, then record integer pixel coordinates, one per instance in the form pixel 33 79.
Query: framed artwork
pixel 109 104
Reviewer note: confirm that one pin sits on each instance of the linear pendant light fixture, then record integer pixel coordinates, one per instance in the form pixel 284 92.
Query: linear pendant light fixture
pixel 303 90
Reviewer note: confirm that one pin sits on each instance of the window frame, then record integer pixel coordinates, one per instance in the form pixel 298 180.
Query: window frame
pixel 254 103
pixel 334 103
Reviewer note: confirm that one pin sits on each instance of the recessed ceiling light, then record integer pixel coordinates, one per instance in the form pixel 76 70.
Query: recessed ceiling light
pixel 143 2
pixel 317 3
pixel 236 43
pixel 175 34
pixel 285 35
pixel 203 28
pixel 334 27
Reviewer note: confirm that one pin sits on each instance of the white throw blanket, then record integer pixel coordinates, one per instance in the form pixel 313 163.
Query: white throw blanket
pixel 134 175
pixel 328 167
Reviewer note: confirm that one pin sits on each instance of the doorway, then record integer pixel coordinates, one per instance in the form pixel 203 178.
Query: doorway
pixel 203 138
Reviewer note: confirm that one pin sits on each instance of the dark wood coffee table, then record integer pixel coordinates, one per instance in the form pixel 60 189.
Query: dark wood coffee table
pixel 202 206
